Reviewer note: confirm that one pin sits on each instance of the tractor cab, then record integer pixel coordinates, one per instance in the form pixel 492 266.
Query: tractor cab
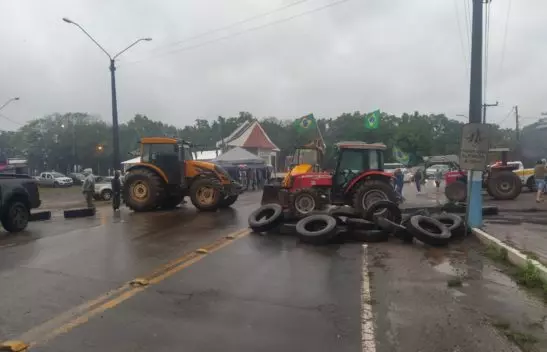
pixel 167 156
pixel 354 162
pixel 306 159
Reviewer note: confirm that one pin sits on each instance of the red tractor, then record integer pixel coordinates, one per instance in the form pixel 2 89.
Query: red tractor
pixel 359 180
pixel 499 180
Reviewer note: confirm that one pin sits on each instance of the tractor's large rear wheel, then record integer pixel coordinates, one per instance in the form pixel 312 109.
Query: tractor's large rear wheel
pixel 504 185
pixel 143 190
pixel 371 191
pixel 205 194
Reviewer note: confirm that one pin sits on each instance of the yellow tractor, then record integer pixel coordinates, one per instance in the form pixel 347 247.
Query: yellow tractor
pixel 167 173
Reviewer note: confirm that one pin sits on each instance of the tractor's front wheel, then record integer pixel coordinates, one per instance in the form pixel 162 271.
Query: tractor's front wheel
pixel 303 202
pixel 205 194
pixel 371 191
pixel 143 190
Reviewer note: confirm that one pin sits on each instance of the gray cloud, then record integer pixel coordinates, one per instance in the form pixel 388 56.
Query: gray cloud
pixel 360 55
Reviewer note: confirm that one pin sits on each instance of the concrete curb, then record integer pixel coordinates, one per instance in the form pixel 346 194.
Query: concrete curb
pixel 514 256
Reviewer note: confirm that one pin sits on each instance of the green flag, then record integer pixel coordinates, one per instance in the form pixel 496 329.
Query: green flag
pixel 372 120
pixel 400 156
pixel 306 123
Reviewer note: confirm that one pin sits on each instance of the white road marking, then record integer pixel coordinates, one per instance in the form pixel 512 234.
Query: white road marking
pixel 368 343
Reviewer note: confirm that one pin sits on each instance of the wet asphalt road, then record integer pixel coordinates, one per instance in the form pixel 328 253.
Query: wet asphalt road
pixel 64 286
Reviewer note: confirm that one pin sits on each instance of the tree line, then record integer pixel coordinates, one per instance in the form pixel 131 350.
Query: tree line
pixel 58 141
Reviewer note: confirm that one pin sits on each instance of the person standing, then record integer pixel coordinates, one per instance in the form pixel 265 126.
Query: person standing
pixel 539 175
pixel 116 189
pixel 399 183
pixel 88 189
pixel 438 178
pixel 418 179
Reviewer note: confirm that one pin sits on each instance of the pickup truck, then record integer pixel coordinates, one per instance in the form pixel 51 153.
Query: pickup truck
pixel 54 179
pixel 18 195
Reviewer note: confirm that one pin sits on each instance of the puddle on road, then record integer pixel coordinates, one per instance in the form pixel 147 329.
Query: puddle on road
pixel 486 288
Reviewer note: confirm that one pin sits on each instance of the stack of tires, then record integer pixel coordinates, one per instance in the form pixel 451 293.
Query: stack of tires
pixel 378 223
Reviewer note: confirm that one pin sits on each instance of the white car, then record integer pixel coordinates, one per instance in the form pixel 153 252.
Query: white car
pixel 54 179
pixel 103 189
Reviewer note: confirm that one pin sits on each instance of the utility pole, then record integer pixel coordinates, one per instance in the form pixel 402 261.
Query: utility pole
pixel 517 127
pixel 474 196
pixel 484 106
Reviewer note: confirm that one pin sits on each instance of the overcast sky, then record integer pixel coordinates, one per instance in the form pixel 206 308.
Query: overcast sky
pixel 396 55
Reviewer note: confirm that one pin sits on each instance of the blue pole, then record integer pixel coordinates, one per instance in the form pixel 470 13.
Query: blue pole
pixel 474 196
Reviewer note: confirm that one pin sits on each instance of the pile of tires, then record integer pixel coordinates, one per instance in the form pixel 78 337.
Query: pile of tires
pixel 378 223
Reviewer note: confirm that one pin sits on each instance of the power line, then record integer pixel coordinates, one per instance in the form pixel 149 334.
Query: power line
pixel 504 43
pixel 464 54
pixel 234 24
pixel 252 29
pixel 467 16
pixel 10 120
pixel 506 117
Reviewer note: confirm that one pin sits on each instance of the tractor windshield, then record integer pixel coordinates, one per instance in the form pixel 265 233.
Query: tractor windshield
pixel 306 156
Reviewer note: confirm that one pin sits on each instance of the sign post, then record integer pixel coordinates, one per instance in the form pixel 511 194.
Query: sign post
pixel 475 143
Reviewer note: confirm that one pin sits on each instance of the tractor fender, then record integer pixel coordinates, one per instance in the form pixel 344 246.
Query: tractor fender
pixel 151 167
pixel 376 175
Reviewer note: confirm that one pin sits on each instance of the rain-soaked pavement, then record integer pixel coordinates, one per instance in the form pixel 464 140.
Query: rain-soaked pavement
pixel 64 288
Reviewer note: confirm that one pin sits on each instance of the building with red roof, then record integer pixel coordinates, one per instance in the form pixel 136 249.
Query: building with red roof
pixel 252 137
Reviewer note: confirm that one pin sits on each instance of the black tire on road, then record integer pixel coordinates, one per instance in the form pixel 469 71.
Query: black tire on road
pixel 454 222
pixel 143 190
pixel 266 218
pixel 210 189
pixel 16 216
pixel 317 229
pixel 371 191
pixel 228 201
pixel 106 194
pixel 504 185
pixel 456 191
pixel 429 230
pixel 387 225
pixel 531 184
pixel 302 202
pixel 360 224
pixel 390 211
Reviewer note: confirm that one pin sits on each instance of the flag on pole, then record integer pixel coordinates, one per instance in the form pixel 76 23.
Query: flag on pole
pixel 372 120
pixel 400 156
pixel 305 123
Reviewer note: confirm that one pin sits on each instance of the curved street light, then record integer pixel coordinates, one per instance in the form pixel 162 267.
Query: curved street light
pixel 112 67
pixel 8 101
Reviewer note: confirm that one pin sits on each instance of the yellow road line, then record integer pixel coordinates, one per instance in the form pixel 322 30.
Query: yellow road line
pixel 83 313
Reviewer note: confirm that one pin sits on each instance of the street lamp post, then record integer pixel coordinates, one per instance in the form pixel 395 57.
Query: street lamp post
pixel 112 67
pixel 8 101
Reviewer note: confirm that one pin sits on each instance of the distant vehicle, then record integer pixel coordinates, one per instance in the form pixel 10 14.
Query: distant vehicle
pixel 18 195
pixel 103 188
pixel 77 178
pixel 431 171
pixel 54 179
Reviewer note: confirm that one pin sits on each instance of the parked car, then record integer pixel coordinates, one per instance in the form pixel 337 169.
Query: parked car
pixel 54 179
pixel 77 178
pixel 103 188
pixel 18 195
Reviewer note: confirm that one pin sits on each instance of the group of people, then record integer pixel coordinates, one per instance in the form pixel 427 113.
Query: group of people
pixel 419 181
pixel 540 175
